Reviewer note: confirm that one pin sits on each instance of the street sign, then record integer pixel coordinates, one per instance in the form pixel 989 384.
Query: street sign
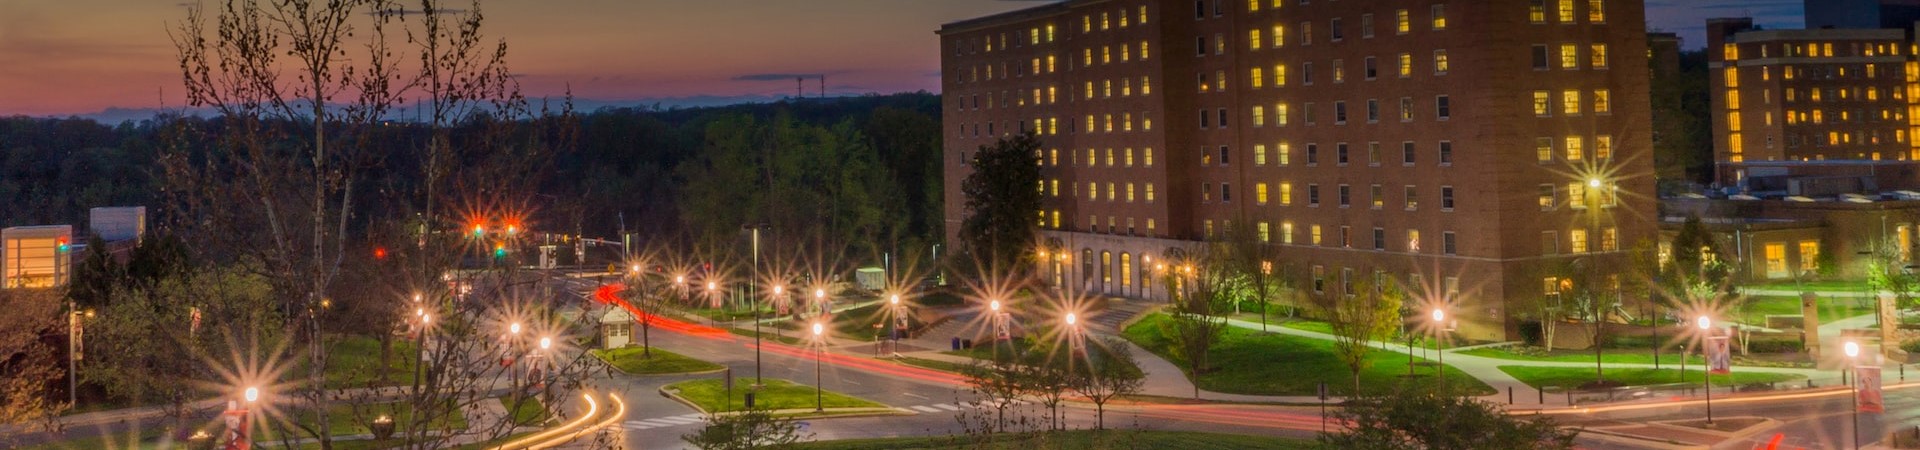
pixel 1868 380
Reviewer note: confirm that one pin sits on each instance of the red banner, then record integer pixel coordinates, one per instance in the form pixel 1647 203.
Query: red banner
pixel 1719 362
pixel 1867 385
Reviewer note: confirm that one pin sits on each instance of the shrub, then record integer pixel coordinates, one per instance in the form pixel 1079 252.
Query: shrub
pixel 1774 346
pixel 1911 346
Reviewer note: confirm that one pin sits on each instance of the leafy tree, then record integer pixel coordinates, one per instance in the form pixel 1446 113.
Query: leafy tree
pixel 1362 313
pixel 1257 265
pixel 96 276
pixel 1199 290
pixel 30 365
pixel 1113 374
pixel 1001 201
pixel 753 428
pixel 1432 422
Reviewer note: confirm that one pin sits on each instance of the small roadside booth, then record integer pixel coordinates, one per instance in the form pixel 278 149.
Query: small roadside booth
pixel 616 328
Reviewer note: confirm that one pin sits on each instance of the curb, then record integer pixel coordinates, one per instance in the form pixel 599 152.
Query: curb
pixel 1765 424
pixel 1636 441
pixel 674 394
pixel 616 369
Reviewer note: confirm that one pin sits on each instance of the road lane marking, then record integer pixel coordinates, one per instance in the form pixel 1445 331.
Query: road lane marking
pixel 910 394
pixel 946 407
pixel 925 409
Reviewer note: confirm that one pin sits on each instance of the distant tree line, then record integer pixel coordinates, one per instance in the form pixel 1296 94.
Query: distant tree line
pixel 861 173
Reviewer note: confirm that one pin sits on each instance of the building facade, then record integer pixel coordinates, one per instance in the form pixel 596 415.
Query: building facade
pixel 1808 96
pixel 1462 149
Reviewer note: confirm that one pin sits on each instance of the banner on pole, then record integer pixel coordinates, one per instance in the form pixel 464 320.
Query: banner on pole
pixel 1718 360
pixel 1868 380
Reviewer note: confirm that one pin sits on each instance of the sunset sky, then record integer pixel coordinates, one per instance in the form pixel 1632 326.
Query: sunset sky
pixel 84 56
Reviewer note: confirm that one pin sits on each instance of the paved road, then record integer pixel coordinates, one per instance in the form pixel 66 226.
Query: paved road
pixel 655 422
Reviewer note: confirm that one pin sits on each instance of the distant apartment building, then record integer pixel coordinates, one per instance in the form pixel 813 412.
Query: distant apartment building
pixel 1812 112
pixel 1463 149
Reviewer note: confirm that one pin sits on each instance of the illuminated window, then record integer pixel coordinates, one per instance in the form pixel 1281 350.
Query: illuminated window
pixel 1575 152
pixel 1401 23
pixel 1259 154
pixel 1440 62
pixel 1809 256
pixel 1313 234
pixel 1570 102
pixel 1264 231
pixel 1602 101
pixel 1569 56
pixel 1543 149
pixel 1596 11
pixel 1149 195
pixel 1260 193
pixel 1143 50
pixel 1147 158
pixel 1603 147
pixel 1279 75
pixel 1406 65
pixel 1279 36
pixel 1280 114
pixel 1542 102
pixel 1578 237
pixel 1566 11
pixel 1146 87
pixel 1286 194
pixel 1733 121
pixel 1129 192
pixel 1776 256
pixel 1537 11
pixel 1253 39
pixel 1732 75
pixel 1609 239
pixel 1733 99
pixel 1284 153
pixel 1256 78
pixel 1286 232
pixel 1259 116
pixel 1546 194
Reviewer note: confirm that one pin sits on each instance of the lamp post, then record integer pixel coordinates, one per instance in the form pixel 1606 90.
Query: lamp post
pixel 420 348
pixel 820 300
pixel 819 342
pixel 546 389
pixel 239 420
pixel 1706 375
pixel 1853 353
pixel 894 328
pixel 513 352
pixel 1439 326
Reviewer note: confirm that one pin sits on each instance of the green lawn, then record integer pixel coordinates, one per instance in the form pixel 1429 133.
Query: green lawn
pixel 1823 286
pixel 777 394
pixel 1079 439
pixel 631 361
pixel 526 410
pixel 350 419
pixel 354 361
pixel 1610 356
pixel 1831 308
pixel 1573 377
pixel 1248 362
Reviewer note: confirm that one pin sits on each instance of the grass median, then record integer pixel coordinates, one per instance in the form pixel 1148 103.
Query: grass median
pixel 1249 362
pixel 1610 356
pixel 711 396
pixel 632 360
pixel 1574 377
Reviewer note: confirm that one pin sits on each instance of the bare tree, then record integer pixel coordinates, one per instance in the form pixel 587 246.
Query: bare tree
pixel 1102 380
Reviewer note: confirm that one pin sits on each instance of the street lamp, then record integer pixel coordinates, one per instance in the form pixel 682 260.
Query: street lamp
pixel 1852 350
pixel 818 330
pixel 420 347
pixel 1706 375
pixel 898 317
pixel 1439 327
pixel 820 300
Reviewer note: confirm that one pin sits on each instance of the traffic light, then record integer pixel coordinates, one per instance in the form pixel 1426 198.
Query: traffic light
pixel 479 230
pixel 499 250
pixel 63 245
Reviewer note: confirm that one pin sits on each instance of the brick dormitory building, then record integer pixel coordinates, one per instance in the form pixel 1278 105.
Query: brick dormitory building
pixel 1458 147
